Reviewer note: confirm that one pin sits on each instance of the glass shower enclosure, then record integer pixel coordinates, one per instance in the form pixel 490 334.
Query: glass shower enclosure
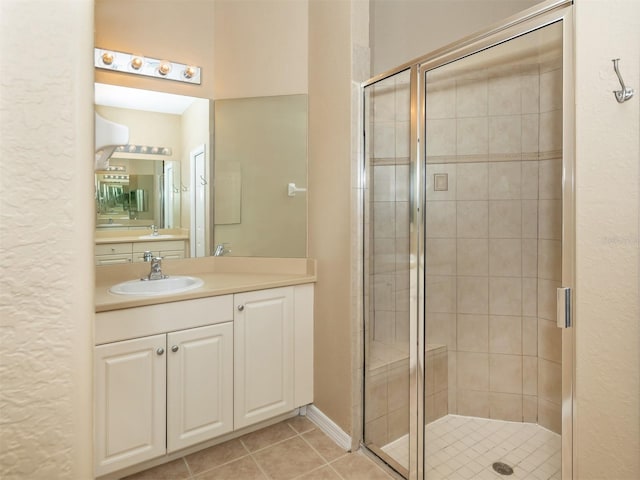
pixel 467 239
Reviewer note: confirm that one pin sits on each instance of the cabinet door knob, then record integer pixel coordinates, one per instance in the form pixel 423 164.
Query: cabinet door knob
pixel 160 351
pixel 240 308
pixel 175 348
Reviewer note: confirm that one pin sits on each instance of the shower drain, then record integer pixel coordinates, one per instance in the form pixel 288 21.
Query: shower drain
pixel 502 468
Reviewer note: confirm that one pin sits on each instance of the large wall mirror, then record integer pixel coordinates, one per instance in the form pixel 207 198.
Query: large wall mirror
pixel 230 175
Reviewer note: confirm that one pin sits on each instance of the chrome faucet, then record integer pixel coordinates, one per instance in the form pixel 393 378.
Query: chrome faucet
pixel 156 269
pixel 147 256
pixel 221 250
pixel 154 230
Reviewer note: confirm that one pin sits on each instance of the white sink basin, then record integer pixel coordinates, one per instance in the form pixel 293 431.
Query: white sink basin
pixel 155 237
pixel 165 286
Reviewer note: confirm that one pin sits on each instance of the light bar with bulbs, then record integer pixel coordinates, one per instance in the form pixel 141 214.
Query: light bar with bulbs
pixel 150 67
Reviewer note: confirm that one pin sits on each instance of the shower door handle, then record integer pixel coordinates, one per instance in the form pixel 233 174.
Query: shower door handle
pixel 564 305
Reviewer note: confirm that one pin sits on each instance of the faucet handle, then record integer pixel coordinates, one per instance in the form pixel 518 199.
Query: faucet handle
pixel 147 255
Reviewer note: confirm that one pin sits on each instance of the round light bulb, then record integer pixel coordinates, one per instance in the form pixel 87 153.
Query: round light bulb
pixel 166 151
pixel 189 72
pixel 143 149
pixel 132 148
pixel 136 63
pixel 164 68
pixel 107 58
pixel 154 150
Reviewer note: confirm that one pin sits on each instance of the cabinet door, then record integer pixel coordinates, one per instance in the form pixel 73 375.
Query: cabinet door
pixel 199 384
pixel 263 368
pixel 130 385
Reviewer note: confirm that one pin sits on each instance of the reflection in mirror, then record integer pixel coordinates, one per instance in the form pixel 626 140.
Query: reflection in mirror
pixel 260 148
pixel 148 181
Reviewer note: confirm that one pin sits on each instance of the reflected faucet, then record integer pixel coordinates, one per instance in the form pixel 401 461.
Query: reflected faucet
pixel 221 250
pixel 154 230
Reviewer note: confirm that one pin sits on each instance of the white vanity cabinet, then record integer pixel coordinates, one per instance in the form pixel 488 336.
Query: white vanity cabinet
pixel 169 376
pixel 113 253
pixel 130 385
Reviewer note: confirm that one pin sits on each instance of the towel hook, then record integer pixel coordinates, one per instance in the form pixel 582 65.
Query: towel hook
pixel 626 93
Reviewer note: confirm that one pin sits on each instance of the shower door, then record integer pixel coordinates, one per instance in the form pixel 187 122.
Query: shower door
pixel 389 269
pixel 468 236
pixel 494 259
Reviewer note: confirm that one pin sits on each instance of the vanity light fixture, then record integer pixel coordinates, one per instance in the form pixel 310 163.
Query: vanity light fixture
pixel 147 150
pixel 141 65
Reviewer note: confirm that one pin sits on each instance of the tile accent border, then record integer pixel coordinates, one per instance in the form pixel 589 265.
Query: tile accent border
pixel 329 427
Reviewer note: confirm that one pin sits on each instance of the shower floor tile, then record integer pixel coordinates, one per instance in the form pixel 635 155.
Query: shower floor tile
pixel 459 448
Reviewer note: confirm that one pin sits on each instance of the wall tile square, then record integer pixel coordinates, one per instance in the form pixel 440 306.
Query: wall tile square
pixel 384 140
pixel 550 415
pixel 384 178
pixel 505 219
pixel 503 406
pixel 505 334
pixel 472 136
pixel 472 219
pixel 473 371
pixel 472 256
pixel 505 180
pixel 530 336
pixel 402 220
pixel 384 221
pixel 551 131
pixel 440 256
pixel 504 94
pixel 403 100
pixel 550 259
pixel 441 294
pixel 530 409
pixel 530 85
pixel 530 375
pixel 441 99
pixel 402 183
pixel 549 381
pixel 442 137
pixel 384 292
pixel 473 181
pixel 529 180
pixel 384 98
pixel 440 219
pixel 384 257
pixel 473 403
pixel 530 133
pixel 505 257
pixel 441 329
pixel 529 257
pixel 403 139
pixel 505 296
pixel 549 341
pixel 529 219
pixel 551 179
pixel 471 97
pixel 505 373
pixel 473 333
pixel 505 134
pixel 472 295
pixel 551 90
pixel 530 297
pixel 550 219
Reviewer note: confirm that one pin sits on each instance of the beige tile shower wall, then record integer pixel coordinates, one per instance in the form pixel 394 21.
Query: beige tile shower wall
pixel 493 254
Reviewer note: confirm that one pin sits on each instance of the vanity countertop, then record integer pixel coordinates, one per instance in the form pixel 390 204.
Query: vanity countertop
pixel 221 276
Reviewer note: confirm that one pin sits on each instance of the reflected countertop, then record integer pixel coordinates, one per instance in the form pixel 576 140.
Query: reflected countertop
pixel 221 276
pixel 138 235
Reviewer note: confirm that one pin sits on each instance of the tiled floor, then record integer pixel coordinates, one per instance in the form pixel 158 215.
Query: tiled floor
pixel 293 449
pixel 459 448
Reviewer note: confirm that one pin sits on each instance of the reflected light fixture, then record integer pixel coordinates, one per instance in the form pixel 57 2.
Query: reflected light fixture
pixel 141 65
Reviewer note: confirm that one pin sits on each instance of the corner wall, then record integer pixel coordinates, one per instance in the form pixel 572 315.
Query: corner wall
pixel 46 239
pixel 607 426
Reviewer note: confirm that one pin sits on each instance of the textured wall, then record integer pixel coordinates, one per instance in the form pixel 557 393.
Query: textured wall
pixel 46 309
pixel 607 430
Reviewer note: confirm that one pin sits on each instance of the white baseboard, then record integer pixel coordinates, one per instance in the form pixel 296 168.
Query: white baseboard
pixel 329 427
